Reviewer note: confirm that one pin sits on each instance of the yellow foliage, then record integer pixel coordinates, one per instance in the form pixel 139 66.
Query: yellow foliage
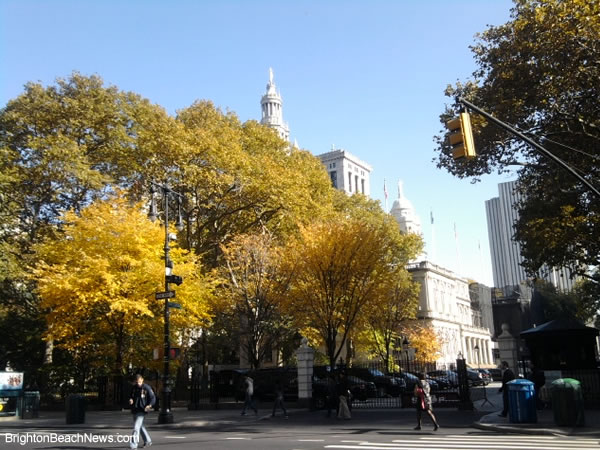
pixel 97 282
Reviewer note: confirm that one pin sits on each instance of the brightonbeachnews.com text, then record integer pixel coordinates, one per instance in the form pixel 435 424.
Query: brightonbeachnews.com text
pixel 26 438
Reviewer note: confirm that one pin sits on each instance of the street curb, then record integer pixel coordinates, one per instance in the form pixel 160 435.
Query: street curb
pixel 515 429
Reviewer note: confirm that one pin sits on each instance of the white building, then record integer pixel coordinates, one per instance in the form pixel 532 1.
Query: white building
pixel 272 109
pixel 347 172
pixel 459 312
pixel 506 252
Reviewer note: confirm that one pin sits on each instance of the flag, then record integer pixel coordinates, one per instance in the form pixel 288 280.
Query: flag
pixel 385 194
pixel 431 214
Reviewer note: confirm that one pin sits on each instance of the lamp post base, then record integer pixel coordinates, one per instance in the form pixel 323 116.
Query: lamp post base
pixel 165 417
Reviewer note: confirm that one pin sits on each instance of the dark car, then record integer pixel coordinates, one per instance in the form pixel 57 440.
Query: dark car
pixel 411 379
pixel 486 375
pixel 474 378
pixel 361 389
pixel 496 374
pixel 448 377
pixel 265 381
pixel 386 384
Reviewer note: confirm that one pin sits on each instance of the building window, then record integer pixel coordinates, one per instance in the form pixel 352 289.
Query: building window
pixel 334 165
pixel 333 176
pixel 362 185
pixel 349 181
pixel 356 183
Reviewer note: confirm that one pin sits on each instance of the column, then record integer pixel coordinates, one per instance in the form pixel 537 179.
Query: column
pixel 305 356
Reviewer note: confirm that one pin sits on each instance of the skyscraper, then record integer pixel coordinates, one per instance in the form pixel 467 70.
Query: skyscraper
pixel 508 273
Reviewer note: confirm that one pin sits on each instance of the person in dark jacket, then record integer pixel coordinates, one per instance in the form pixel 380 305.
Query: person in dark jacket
pixel 539 379
pixel 142 399
pixel 507 375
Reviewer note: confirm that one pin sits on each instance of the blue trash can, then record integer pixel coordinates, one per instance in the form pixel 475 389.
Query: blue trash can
pixel 521 401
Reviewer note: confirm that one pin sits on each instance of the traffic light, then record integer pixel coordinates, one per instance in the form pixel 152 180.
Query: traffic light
pixel 176 279
pixel 461 136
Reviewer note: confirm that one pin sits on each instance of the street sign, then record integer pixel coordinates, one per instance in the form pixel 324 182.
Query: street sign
pixel 174 305
pixel 167 294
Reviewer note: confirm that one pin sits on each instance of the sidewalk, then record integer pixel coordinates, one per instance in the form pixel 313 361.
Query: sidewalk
pixel 484 417
pixel 545 418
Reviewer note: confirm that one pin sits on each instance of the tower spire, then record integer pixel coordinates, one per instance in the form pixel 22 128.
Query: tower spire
pixel 272 110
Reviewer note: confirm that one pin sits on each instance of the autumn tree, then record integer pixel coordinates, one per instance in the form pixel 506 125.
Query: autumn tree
pixel 61 147
pixel 423 338
pixel 97 283
pixel 341 267
pixel 242 179
pixel 383 324
pixel 254 285
pixel 539 72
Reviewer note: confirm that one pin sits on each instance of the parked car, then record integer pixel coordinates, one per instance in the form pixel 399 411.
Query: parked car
pixel 474 378
pixel 360 389
pixel 411 379
pixel 486 375
pixel 496 374
pixel 445 376
pixel 386 384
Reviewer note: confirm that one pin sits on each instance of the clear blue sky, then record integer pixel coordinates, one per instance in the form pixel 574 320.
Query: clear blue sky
pixel 367 76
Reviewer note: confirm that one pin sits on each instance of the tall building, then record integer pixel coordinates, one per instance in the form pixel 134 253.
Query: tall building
pixel 347 172
pixel 272 109
pixel 508 273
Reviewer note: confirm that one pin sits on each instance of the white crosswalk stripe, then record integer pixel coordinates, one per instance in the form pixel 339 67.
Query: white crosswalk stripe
pixel 468 442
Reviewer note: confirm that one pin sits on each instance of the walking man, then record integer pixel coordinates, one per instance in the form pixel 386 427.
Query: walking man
pixel 279 399
pixel 142 399
pixel 507 375
pixel 249 392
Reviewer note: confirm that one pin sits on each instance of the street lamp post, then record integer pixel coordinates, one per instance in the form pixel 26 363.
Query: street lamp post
pixel 405 345
pixel 485 399
pixel 165 415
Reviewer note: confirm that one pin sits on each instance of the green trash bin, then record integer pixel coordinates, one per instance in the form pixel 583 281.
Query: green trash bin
pixel 567 402
pixel 30 405
pixel 75 406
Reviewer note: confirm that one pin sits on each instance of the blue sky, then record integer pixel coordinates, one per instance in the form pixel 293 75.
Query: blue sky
pixel 366 76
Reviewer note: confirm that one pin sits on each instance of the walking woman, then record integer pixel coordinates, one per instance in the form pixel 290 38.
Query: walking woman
pixel 422 393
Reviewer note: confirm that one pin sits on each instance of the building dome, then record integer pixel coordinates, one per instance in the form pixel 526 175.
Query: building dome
pixel 404 213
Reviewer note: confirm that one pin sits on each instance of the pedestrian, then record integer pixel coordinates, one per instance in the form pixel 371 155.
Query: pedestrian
pixel 507 375
pixel 539 380
pixel 332 398
pixel 343 393
pixel 142 399
pixel 249 396
pixel 422 392
pixel 279 399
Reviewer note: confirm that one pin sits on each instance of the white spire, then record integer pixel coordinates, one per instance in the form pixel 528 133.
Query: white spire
pixel 272 109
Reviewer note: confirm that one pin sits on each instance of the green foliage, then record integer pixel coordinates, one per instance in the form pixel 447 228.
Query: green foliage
pixel 539 73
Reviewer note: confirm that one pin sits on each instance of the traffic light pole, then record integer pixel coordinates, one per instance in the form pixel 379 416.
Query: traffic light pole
pixel 165 415
pixel 531 142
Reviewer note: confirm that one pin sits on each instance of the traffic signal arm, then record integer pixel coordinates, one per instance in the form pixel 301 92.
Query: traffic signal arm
pixel 461 136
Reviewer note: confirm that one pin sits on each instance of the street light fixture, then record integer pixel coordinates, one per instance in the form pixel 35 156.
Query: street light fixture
pixel 405 344
pixel 165 415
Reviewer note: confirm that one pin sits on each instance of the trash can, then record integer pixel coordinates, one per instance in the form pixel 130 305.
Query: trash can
pixel 567 402
pixel 521 401
pixel 75 408
pixel 30 405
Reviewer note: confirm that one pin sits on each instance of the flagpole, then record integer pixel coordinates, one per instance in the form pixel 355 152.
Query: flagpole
pixel 385 195
pixel 433 252
pixel 457 250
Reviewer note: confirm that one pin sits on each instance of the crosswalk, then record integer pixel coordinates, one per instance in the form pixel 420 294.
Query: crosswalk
pixel 468 442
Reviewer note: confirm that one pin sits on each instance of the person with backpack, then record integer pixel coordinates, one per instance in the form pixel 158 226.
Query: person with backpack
pixel 142 400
